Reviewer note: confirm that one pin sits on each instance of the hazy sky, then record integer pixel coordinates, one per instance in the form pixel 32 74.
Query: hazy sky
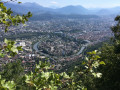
pixel 85 3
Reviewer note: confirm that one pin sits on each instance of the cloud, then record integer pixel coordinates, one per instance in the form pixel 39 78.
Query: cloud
pixel 53 2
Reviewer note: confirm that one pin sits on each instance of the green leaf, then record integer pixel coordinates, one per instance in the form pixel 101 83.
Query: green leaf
pixel 2 55
pixel 65 75
pixel 20 48
pixel 6 41
pixel 14 49
pixel 102 62
pixel 19 2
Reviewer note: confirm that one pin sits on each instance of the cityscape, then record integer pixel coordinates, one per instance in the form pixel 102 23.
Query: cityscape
pixel 65 40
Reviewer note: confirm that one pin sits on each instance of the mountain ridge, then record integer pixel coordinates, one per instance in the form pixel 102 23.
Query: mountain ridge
pixel 67 10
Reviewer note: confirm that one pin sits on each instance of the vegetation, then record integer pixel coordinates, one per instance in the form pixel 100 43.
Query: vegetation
pixel 7 20
pixel 110 53
pixel 45 78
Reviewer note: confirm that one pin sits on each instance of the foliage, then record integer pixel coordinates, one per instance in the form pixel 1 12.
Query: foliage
pixel 7 20
pixel 84 75
pixel 12 71
pixel 9 48
pixel 116 31
pixel 110 71
pixel 45 78
pixel 9 85
pixel 110 54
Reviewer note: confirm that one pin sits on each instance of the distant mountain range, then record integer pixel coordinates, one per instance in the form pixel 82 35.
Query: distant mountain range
pixel 36 9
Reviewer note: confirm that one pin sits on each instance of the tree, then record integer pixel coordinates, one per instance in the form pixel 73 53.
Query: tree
pixel 46 79
pixel 13 71
pixel 9 48
pixel 7 20
pixel 110 54
pixel 116 31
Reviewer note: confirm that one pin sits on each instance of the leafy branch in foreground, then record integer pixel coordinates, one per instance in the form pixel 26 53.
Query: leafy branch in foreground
pixel 6 85
pixel 7 20
pixel 87 70
pixel 45 79
pixel 9 48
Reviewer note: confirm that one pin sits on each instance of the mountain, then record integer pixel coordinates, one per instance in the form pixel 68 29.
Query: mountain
pixel 36 9
pixel 104 12
pixel 26 7
pixel 72 10
pixel 109 11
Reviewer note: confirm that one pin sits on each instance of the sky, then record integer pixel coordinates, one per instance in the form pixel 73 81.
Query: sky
pixel 85 3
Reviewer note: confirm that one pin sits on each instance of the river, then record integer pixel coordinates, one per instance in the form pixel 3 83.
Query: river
pixel 35 47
